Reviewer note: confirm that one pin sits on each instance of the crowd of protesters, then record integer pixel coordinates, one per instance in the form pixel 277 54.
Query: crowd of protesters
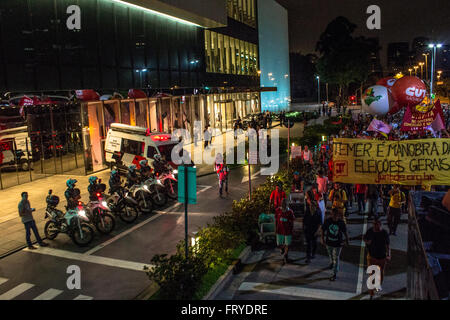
pixel 373 201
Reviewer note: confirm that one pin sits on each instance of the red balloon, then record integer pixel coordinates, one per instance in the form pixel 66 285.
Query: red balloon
pixel 387 82
pixel 409 91
pixel 395 108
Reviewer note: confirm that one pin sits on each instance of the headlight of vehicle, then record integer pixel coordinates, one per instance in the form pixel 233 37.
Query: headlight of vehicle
pixel 159 181
pixel 82 213
pixel 104 204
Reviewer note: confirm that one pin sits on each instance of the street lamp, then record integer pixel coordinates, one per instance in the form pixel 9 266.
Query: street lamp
pixel 410 70
pixel 318 90
pixel 433 62
pixel 140 74
pixel 426 63
pixel 421 70
pixel 415 70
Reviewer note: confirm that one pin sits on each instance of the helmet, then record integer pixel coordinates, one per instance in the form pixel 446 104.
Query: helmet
pixel 157 157
pixel 132 168
pixel 143 162
pixel 71 183
pixel 93 179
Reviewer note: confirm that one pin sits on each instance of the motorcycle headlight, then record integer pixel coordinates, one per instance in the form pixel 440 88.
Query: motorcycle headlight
pixel 82 213
pixel 104 204
pixel 175 171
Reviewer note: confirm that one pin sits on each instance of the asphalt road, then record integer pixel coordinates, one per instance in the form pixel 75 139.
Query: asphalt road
pixel 111 267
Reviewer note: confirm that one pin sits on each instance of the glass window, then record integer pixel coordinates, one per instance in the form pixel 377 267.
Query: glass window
pixel 132 146
pixel 238 56
pixel 233 56
pixel 208 50
pixel 220 47
pixel 214 52
pixel 226 40
pixel 151 151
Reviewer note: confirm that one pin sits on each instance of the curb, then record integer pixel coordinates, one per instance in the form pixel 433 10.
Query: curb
pixel 226 277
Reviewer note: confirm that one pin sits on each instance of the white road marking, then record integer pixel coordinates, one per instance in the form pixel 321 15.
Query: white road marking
pixel 123 234
pixel 189 213
pixel 3 280
pixel 361 259
pixel 137 266
pixel 254 176
pixel 50 294
pixel 81 297
pixel 296 291
pixel 16 291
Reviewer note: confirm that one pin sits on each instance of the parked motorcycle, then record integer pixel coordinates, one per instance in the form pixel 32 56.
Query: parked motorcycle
pixel 141 194
pixel 157 191
pixel 70 223
pixel 170 183
pixel 123 205
pixel 98 212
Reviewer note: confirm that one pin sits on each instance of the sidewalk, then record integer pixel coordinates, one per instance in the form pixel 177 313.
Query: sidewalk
pixel 264 276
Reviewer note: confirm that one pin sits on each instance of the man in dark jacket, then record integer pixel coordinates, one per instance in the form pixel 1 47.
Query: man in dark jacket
pixel 311 225
pixel 26 213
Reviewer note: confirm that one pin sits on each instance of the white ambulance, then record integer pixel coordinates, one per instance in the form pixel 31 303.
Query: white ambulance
pixel 126 145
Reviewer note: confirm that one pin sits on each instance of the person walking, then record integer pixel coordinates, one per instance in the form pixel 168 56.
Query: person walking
pixel 207 136
pixel 372 195
pixel 311 225
pixel 338 198
pixel 284 228
pixel 277 196
pixel 395 204
pixel 26 213
pixel 222 173
pixel 360 190
pixel 333 231
pixel 320 200
pixel 379 252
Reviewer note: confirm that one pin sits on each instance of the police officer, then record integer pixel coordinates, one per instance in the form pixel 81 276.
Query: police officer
pixel 71 194
pixel 115 184
pixel 93 188
pixel 132 176
pixel 145 170
pixel 159 165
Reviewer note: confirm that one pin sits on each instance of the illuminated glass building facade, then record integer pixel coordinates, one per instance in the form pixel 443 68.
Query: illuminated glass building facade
pixel 274 55
pixel 195 60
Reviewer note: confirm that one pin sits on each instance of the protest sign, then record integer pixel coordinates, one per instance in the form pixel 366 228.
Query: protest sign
pixel 407 162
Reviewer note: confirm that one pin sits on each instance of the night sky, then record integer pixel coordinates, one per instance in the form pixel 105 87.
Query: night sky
pixel 400 20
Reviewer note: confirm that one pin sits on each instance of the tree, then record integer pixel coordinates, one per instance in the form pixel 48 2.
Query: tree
pixel 344 59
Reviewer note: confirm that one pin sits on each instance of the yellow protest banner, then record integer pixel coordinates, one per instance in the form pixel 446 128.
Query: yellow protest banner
pixel 407 162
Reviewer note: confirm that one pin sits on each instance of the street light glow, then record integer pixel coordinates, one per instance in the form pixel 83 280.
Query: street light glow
pixel 156 12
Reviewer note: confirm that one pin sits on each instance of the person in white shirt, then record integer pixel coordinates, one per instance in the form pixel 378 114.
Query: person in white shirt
pixel 307 155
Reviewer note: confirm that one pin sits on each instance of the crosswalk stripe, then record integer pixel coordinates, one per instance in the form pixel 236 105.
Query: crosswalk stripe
pixel 137 266
pixel 14 292
pixel 81 297
pixel 3 280
pixel 49 294
pixel 296 291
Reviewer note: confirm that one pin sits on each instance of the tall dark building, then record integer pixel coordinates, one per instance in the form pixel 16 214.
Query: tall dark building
pixel 398 56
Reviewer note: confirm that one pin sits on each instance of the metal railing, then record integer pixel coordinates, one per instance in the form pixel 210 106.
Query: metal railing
pixel 420 280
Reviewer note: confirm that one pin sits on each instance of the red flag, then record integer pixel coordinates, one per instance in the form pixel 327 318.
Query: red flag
pixel 338 122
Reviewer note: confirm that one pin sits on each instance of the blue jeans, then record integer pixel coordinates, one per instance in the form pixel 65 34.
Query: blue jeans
pixel 373 207
pixel 334 253
pixel 31 225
